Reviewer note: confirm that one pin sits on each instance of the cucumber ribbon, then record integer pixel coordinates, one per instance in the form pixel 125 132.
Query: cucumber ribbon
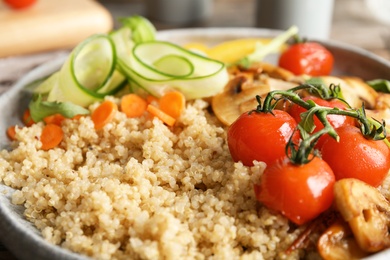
pixel 104 63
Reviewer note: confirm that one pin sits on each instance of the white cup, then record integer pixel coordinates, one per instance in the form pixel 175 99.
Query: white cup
pixel 312 17
pixel 179 12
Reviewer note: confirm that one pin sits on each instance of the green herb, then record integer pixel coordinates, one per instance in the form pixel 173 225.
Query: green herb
pixel 315 81
pixel 40 109
pixel 380 85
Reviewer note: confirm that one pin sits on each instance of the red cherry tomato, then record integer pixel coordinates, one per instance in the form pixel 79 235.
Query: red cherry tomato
pixel 335 120
pixel 356 157
pixel 307 58
pixel 299 192
pixel 19 4
pixel 261 136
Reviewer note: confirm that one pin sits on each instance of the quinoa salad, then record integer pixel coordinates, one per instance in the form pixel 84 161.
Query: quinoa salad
pixel 136 189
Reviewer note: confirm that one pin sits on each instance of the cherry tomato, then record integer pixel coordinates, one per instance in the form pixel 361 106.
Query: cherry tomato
pixel 19 4
pixel 299 192
pixel 356 157
pixel 261 136
pixel 335 120
pixel 307 58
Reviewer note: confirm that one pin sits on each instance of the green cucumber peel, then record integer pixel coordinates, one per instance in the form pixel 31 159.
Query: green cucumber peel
pixel 88 74
pixel 197 77
pixel 142 30
pixel 104 63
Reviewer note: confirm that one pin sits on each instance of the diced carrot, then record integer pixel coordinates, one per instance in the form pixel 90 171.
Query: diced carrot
pixel 11 132
pixel 103 114
pixel 58 118
pixel 173 103
pixel 133 105
pixel 167 119
pixel 54 119
pixel 150 99
pixel 51 136
pixel 27 120
pixel 77 117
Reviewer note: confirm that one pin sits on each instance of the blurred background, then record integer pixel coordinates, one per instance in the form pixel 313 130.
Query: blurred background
pixel 48 28
pixel 31 36
pixel 363 23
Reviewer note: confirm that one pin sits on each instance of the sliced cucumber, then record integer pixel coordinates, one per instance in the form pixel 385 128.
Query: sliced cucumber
pixel 47 84
pixel 158 66
pixel 123 42
pixel 103 64
pixel 89 73
pixel 174 65
pixel 142 30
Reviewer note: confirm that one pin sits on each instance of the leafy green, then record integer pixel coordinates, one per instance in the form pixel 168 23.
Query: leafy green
pixel 40 109
pixel 380 85
pixel 315 81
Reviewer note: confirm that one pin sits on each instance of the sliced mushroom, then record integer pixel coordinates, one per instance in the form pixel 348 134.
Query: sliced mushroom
pixel 363 90
pixel 382 110
pixel 382 101
pixel 233 101
pixel 355 91
pixel 380 115
pixel 277 72
pixel 248 105
pixel 277 84
pixel 367 212
pixel 338 243
pixel 348 93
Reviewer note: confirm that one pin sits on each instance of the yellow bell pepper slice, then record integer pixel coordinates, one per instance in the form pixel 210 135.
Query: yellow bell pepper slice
pixel 234 50
pixel 196 46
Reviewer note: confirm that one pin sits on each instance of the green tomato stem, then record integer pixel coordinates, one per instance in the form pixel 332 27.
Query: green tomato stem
pixel 370 129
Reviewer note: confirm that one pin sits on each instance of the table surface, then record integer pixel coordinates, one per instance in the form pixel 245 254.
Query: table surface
pixel 352 24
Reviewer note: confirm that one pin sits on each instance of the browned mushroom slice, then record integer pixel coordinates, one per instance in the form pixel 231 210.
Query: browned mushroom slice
pixel 338 243
pixel 277 72
pixel 381 110
pixel 382 101
pixel 227 106
pixel 380 115
pixel 252 103
pixel 347 91
pixel 248 105
pixel 363 90
pixel 367 212
pixel 277 84
pixel 355 91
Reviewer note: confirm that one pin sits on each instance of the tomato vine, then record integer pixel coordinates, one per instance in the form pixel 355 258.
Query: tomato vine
pixel 299 184
pixel 301 153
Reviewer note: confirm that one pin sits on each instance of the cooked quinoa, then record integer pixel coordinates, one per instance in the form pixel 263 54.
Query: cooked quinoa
pixel 141 190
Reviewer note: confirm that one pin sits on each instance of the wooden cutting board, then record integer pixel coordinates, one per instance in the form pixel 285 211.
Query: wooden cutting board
pixel 50 25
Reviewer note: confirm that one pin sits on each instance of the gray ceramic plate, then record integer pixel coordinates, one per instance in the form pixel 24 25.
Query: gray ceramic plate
pixel 24 240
